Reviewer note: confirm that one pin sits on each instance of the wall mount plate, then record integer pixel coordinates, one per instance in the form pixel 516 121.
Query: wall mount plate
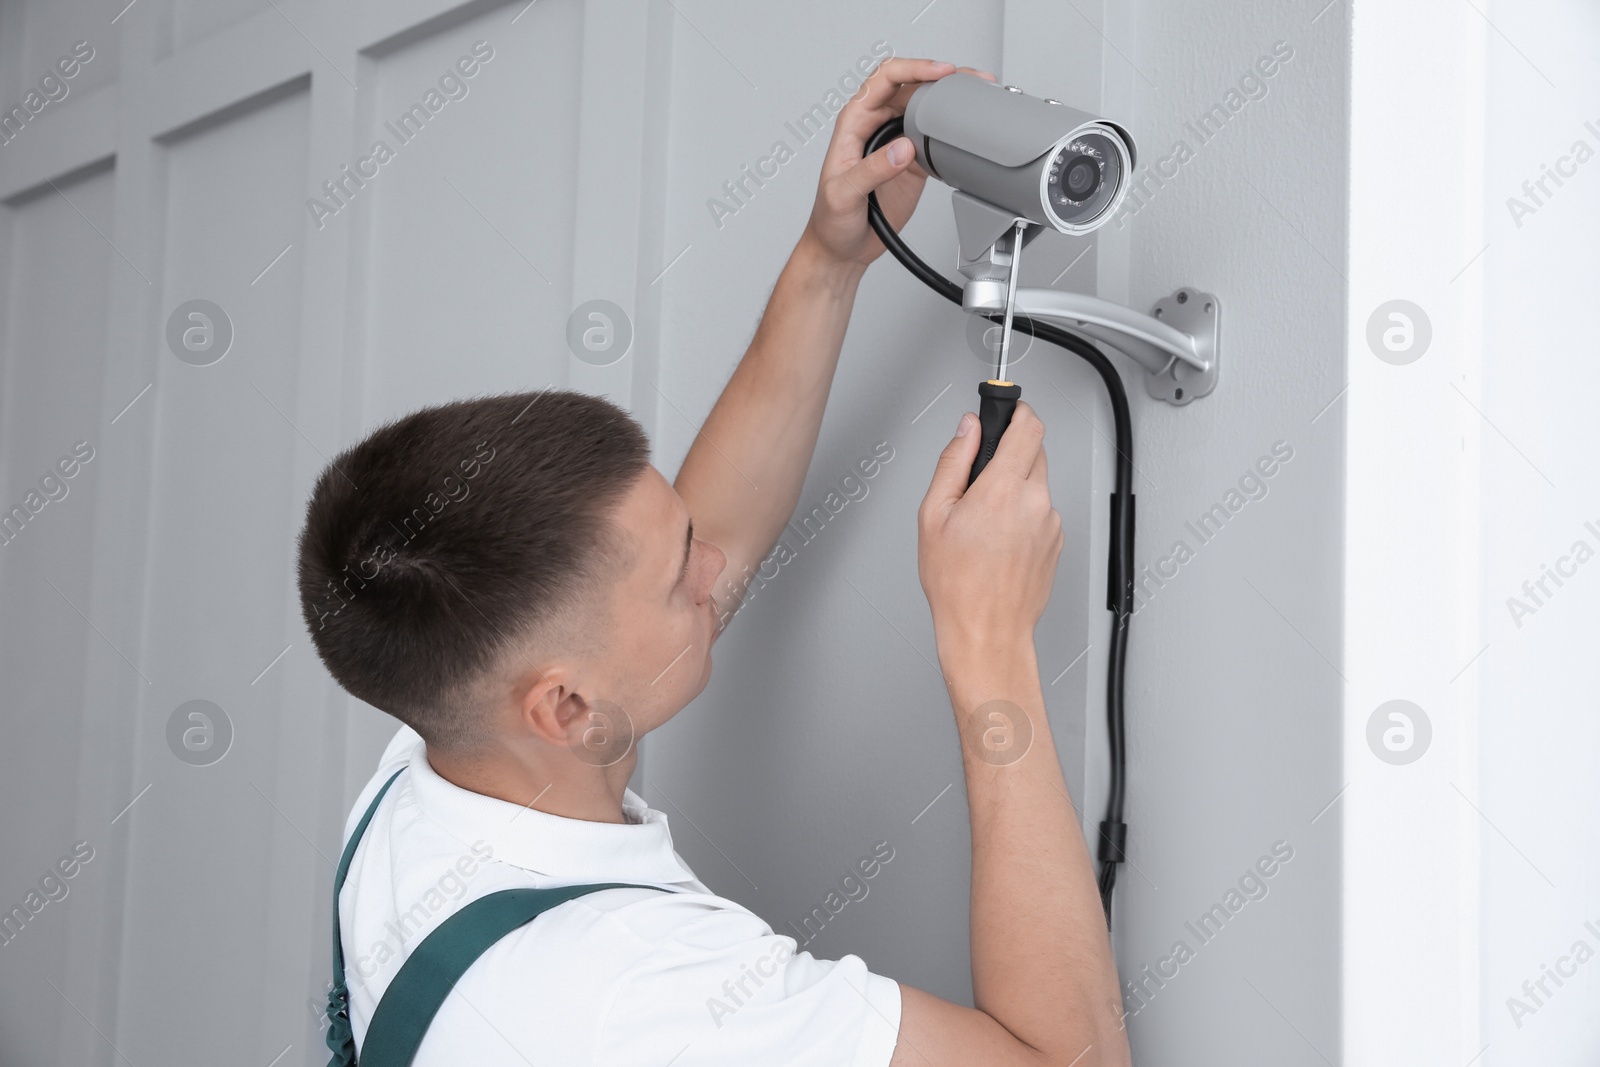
pixel 1198 314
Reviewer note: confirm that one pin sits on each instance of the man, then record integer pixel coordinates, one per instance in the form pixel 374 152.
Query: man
pixel 513 580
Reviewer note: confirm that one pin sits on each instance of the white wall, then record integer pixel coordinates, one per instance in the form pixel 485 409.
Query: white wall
pixel 1538 492
pixel 1470 871
pixel 1411 628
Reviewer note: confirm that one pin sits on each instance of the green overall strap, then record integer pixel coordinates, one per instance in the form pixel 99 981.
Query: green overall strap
pixel 415 995
pixel 338 1037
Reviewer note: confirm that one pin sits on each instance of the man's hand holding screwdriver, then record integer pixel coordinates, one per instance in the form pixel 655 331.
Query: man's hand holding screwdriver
pixel 1043 978
pixel 987 553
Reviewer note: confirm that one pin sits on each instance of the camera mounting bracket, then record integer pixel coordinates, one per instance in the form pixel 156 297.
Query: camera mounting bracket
pixel 1178 345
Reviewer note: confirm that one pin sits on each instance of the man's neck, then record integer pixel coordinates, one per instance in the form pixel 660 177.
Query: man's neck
pixel 568 788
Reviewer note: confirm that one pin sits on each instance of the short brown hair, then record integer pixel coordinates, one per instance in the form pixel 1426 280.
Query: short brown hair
pixel 446 536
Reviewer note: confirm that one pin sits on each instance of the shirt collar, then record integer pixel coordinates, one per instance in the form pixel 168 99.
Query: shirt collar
pixel 569 851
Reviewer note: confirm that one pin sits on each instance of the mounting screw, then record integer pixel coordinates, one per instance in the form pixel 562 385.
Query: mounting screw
pixel 1012 89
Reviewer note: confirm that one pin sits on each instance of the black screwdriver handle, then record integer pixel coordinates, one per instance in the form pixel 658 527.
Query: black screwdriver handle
pixel 996 402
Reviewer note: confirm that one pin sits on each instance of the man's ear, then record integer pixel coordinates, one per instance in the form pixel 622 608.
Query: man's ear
pixel 549 706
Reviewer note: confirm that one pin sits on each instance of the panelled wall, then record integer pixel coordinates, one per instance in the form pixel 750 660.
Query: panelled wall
pixel 184 160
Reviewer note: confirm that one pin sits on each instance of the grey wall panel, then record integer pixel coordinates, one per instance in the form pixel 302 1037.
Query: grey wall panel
pixel 192 21
pixel 219 576
pixel 57 268
pixel 46 33
pixel 1236 684
pixel 467 243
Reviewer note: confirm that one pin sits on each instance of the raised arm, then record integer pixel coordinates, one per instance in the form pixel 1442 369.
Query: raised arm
pixel 742 476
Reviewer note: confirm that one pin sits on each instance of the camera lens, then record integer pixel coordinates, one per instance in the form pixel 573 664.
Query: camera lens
pixel 1083 177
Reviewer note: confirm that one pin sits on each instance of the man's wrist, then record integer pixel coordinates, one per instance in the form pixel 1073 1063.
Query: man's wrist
pixel 976 672
pixel 964 643
pixel 816 266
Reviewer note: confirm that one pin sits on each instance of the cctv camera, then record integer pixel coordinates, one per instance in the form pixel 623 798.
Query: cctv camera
pixel 1040 159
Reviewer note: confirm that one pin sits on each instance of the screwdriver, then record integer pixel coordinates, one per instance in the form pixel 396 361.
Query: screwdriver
pixel 997 397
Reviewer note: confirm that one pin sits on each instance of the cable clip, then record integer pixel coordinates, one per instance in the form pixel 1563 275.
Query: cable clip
pixel 1113 842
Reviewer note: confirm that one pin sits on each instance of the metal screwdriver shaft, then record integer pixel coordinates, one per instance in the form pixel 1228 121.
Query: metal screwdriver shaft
pixel 997 397
pixel 1011 301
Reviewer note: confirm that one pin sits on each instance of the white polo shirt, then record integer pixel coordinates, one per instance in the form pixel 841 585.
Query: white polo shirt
pixel 621 977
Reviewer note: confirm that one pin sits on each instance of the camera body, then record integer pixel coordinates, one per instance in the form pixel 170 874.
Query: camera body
pixel 1039 159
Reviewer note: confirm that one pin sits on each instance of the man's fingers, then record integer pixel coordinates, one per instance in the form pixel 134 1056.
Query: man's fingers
pixel 1040 471
pixel 955 463
pixel 1020 445
pixel 881 86
pixel 869 173
pixel 902 97
pixel 858 122
pixel 884 94
pixel 896 104
pixel 870 107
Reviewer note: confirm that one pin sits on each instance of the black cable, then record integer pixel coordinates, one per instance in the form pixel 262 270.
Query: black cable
pixel 1119 567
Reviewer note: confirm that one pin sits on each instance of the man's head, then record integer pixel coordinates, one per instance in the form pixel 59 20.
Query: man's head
pixel 509 573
